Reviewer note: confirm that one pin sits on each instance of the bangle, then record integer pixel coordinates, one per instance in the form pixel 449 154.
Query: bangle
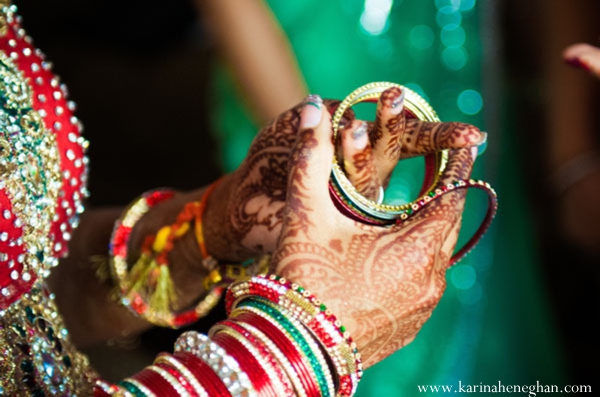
pixel 281 358
pixel 300 369
pixel 171 379
pixel 210 381
pixel 225 366
pixel 458 185
pixel 354 205
pixel 314 315
pixel 341 187
pixel 118 251
pixel 104 388
pixel 147 289
pixel 195 389
pixel 248 360
pixel 281 384
pixel 298 334
pixel 136 388
pixel 185 388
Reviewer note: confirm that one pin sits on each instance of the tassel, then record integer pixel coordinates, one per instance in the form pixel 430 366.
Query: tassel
pixel 138 279
pixel 164 295
pixel 101 263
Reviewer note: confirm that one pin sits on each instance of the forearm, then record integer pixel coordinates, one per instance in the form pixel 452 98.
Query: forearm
pixel 87 302
pixel 268 349
pixel 258 53
pixel 84 301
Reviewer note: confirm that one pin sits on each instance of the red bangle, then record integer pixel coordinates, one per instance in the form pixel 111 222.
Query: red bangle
pixel 156 383
pixel 314 315
pixel 177 375
pixel 288 389
pixel 259 378
pixel 204 374
pixel 287 348
pixel 176 365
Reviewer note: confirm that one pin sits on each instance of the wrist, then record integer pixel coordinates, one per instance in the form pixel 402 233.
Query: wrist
pixel 219 234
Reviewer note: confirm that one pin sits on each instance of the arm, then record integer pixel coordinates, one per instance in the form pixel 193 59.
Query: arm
pixel 382 283
pixel 244 216
pixel 257 52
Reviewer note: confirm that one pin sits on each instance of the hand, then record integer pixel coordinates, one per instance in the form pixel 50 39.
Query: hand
pixel 248 209
pixel 245 212
pixel 382 282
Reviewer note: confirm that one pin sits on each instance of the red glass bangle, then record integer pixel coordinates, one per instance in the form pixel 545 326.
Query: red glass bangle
pixel 174 363
pixel 266 354
pixel 155 383
pixel 284 362
pixel 259 378
pixel 204 374
pixel 179 376
pixel 287 348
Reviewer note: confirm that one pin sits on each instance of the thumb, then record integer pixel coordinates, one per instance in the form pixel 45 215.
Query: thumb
pixel 311 158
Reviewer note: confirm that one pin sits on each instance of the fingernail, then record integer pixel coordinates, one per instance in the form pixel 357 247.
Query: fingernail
pixel 577 63
pixel 311 112
pixel 359 136
pixel 398 104
pixel 483 140
pixel 474 151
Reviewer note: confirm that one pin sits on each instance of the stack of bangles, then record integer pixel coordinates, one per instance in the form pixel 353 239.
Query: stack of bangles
pixel 278 341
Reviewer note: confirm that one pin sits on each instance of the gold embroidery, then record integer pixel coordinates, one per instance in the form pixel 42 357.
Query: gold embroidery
pixel 35 354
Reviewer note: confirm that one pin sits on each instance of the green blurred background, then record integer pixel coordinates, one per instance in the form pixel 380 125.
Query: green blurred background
pixel 493 323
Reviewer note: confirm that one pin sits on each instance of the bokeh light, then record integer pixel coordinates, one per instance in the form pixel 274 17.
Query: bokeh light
pixel 469 102
pixel 374 19
pixel 448 15
pixel 455 4
pixel 467 5
pixel 454 58
pixel 463 276
pixel 453 35
pixel 421 37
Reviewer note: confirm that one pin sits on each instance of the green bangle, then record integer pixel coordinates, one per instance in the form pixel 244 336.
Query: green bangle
pixel 296 332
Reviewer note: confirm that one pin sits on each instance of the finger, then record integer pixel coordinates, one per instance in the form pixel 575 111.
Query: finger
pixel 422 137
pixel 310 160
pixel 584 56
pixel 347 117
pixel 440 220
pixel 358 160
pixel 446 211
pixel 388 128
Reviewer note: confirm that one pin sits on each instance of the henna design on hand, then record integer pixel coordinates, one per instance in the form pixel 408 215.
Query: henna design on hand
pixel 382 282
pixel 422 137
pixel 364 174
pixel 257 191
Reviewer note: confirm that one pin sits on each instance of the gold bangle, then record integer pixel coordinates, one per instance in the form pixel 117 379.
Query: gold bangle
pixel 340 183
